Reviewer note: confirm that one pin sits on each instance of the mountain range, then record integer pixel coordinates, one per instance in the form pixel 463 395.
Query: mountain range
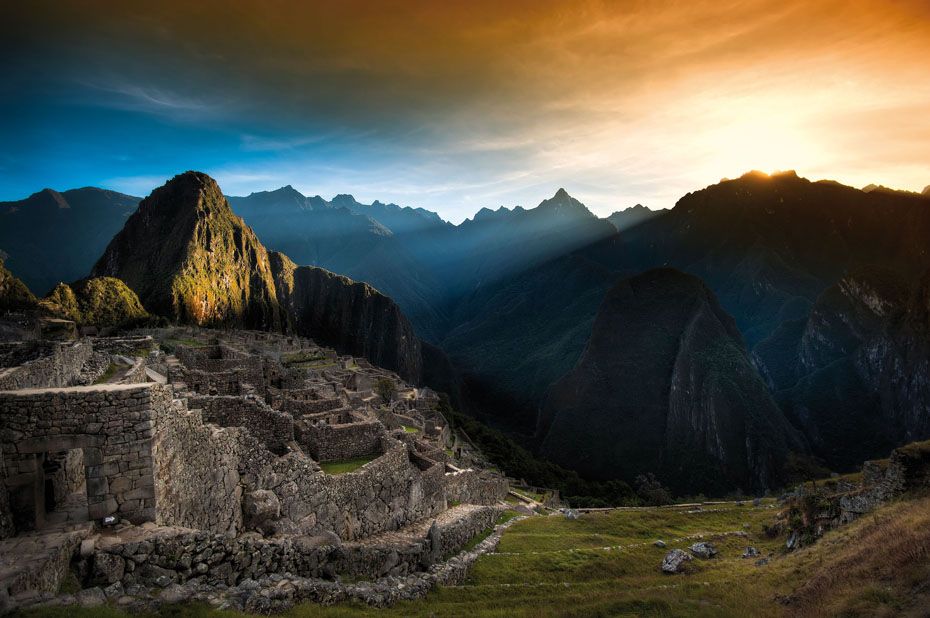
pixel 762 318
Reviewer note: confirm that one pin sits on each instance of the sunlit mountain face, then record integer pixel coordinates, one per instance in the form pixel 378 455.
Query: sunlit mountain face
pixel 459 106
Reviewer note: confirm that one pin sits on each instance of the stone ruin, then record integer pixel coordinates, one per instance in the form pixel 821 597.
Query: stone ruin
pixel 192 464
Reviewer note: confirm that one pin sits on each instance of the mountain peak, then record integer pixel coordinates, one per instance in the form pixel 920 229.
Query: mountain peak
pixel 926 190
pixel 51 197
pixel 562 202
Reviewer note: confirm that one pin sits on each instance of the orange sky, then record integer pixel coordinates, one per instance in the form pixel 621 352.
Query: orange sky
pixel 458 105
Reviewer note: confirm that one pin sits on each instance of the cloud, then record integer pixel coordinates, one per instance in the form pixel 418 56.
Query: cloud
pixel 456 105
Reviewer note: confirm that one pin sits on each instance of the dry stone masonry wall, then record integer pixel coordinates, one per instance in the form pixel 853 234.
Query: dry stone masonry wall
pixel 209 466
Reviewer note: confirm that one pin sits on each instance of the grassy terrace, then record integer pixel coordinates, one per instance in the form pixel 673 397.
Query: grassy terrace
pixel 605 564
pixel 345 465
pixel 108 374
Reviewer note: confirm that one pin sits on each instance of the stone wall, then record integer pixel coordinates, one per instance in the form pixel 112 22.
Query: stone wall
pixel 206 383
pixel 69 474
pixel 60 367
pixel 274 429
pixel 196 470
pixel 385 494
pixel 474 487
pixel 327 442
pixel 176 555
pixel 6 515
pixel 111 423
pixel 220 359
pixel 300 407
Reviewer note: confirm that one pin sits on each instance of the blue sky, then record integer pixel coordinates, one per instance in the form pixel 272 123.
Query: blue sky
pixel 458 106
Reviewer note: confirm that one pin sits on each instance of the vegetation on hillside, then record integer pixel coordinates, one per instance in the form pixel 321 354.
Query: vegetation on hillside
pixel 99 301
pixel 14 295
pixel 517 462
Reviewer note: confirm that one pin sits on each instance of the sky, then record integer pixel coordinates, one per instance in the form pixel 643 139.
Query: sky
pixel 455 106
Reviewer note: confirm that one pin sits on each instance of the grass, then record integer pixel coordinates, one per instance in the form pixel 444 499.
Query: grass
pixel 409 429
pixel 302 357
pixel 605 564
pixel 345 465
pixel 108 374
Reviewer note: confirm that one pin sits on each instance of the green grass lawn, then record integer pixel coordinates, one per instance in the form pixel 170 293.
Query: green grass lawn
pixel 345 465
pixel 605 564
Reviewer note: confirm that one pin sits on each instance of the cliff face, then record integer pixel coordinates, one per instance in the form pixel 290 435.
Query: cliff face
pixel 665 385
pixel 348 315
pixel 856 374
pixel 188 257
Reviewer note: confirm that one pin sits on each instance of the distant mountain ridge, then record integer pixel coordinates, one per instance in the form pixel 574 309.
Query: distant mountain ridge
pixel 75 227
pixel 634 215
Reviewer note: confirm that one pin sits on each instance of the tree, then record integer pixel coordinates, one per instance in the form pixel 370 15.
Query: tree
pixel 386 388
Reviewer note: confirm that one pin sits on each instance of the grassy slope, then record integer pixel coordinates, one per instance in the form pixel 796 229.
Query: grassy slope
pixel 604 564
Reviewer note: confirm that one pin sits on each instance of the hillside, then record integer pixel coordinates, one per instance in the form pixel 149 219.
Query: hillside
pixel 52 237
pixel 665 386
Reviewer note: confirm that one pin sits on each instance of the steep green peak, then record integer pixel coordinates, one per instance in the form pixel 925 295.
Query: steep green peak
pixel 188 192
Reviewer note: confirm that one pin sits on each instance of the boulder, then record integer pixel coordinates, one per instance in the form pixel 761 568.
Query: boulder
pixel 751 552
pixel 675 560
pixel 260 508
pixel 108 568
pixel 91 597
pixel 703 550
pixel 660 544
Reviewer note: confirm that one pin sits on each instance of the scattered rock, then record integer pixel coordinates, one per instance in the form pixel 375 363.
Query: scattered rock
pixel 762 562
pixel 703 550
pixel 174 594
pixel 571 514
pixel 108 569
pixel 660 543
pixel 674 561
pixel 751 552
pixel 91 597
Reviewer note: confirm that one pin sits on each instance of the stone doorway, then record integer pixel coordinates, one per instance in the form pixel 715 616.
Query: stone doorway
pixel 50 489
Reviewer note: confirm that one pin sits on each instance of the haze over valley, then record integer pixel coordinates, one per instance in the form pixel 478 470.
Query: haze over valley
pixel 491 308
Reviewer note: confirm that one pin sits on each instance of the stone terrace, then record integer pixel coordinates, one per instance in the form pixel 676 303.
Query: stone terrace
pixel 187 458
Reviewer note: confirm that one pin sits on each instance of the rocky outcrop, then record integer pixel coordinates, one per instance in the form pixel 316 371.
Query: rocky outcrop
pixel 665 385
pixel 188 257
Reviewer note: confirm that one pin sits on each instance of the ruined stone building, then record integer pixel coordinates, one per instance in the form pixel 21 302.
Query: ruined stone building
pixel 198 462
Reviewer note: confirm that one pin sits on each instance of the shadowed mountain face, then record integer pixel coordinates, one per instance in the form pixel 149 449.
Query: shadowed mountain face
pixel 52 237
pixel 427 265
pixel 855 375
pixel 189 258
pixel 665 385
